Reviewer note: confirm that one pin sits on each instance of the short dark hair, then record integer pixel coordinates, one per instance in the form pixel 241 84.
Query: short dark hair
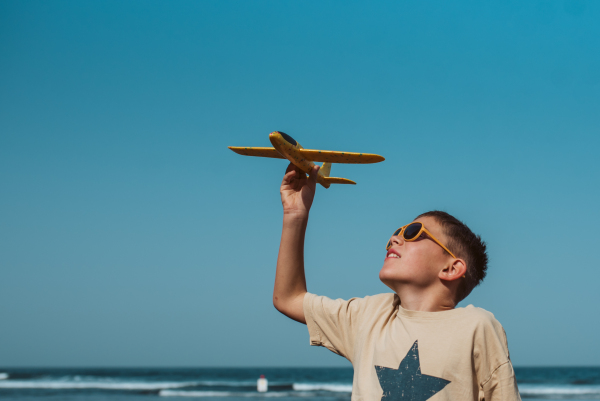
pixel 465 244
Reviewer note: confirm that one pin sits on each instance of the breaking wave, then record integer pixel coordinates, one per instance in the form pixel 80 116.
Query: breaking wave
pixel 561 390
pixel 83 384
pixel 172 393
pixel 333 387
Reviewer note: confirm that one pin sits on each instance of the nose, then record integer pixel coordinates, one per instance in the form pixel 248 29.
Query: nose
pixel 397 240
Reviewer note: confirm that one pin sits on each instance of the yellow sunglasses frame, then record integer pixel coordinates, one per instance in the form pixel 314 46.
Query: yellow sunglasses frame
pixel 423 229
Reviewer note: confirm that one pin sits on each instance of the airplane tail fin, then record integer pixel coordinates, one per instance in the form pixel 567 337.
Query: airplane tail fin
pixel 326 180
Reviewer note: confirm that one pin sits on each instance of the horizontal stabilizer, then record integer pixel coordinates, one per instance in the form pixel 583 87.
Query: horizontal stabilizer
pixel 330 156
pixel 338 180
pixel 259 152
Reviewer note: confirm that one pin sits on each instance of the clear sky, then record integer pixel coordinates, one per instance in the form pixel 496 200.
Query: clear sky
pixel 131 236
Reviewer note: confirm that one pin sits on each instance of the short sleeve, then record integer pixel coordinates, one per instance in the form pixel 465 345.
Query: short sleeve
pixel 333 323
pixel 495 370
pixel 502 385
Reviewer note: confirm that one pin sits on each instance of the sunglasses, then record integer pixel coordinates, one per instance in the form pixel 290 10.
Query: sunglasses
pixel 411 232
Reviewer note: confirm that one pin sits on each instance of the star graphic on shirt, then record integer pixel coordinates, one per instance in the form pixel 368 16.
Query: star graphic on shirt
pixel 407 383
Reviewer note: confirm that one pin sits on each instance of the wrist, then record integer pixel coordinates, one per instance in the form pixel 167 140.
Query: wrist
pixel 295 215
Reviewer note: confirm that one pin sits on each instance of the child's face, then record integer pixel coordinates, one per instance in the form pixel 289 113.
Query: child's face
pixel 417 262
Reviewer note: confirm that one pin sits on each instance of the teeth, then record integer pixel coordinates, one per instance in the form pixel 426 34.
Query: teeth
pixel 393 255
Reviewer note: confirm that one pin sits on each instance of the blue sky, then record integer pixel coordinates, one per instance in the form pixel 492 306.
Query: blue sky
pixel 131 236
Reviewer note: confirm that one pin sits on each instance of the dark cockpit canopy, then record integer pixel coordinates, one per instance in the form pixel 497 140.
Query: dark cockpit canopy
pixel 288 138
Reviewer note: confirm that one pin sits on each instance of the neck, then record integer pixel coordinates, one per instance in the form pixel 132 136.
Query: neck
pixel 425 299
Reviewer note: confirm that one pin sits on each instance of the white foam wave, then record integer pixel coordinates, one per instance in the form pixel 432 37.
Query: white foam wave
pixel 3 376
pixel 173 393
pixel 559 389
pixel 224 383
pixel 337 388
pixel 105 385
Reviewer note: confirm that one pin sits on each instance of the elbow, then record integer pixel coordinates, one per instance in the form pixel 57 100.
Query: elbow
pixel 291 307
pixel 278 303
pixel 283 305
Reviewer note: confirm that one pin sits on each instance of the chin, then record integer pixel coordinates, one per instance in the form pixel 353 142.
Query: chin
pixel 390 277
pixel 390 283
pixel 387 276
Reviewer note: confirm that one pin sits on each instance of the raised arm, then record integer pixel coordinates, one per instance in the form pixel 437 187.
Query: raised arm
pixel 297 194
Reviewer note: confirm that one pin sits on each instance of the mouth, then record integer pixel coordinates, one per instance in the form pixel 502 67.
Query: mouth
pixel 392 255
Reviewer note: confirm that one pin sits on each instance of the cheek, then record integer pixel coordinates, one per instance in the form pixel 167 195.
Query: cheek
pixel 414 259
pixel 420 260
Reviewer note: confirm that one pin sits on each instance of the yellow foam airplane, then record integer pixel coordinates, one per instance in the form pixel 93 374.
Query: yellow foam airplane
pixel 286 147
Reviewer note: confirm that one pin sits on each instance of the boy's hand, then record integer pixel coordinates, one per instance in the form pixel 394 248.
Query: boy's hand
pixel 297 191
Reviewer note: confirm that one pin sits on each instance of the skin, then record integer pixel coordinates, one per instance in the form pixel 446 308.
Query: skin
pixel 297 194
pixel 425 277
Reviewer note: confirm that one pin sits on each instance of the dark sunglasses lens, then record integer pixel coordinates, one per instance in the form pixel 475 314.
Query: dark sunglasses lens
pixel 396 232
pixel 389 244
pixel 412 231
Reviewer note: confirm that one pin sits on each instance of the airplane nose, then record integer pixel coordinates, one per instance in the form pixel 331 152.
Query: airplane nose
pixel 274 138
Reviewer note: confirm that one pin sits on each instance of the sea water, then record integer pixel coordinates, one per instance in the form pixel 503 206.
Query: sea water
pixel 235 384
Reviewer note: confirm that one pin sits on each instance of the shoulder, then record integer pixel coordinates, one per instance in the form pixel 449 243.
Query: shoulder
pixel 380 301
pixel 371 302
pixel 480 316
pixel 486 327
pixel 384 299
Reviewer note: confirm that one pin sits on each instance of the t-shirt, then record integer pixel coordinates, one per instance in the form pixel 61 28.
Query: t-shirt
pixel 455 355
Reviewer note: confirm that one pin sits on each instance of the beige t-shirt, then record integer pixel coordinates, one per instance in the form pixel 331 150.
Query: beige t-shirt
pixel 397 354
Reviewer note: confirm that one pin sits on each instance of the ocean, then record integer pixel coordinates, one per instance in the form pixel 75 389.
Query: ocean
pixel 236 384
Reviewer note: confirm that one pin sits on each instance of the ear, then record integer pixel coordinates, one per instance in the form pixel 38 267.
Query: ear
pixel 454 270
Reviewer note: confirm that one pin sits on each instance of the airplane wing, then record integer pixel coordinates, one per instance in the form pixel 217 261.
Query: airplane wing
pixel 330 156
pixel 260 152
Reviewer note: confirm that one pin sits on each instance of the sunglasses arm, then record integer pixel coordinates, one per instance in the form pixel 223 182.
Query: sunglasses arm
pixel 439 243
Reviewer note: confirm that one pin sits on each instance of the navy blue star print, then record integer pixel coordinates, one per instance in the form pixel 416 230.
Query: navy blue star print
pixel 407 383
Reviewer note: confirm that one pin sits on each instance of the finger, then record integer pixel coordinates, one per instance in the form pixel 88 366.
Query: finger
pixel 301 176
pixel 313 174
pixel 288 177
pixel 299 172
pixel 290 167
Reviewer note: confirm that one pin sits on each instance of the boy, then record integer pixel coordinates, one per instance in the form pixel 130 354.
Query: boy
pixel 413 345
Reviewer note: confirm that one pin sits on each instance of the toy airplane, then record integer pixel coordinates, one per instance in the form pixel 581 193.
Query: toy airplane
pixel 285 147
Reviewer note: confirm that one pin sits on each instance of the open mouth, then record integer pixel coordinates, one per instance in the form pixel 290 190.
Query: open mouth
pixel 392 254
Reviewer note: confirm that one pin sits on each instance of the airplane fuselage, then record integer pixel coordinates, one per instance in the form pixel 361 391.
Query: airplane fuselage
pixel 289 147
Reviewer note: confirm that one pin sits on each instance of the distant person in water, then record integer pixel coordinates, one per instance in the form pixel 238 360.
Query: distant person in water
pixel 412 344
